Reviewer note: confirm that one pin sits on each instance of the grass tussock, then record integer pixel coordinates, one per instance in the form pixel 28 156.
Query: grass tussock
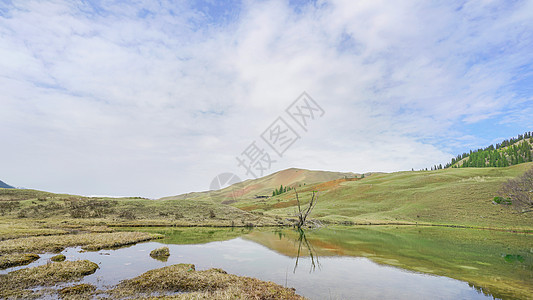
pixel 79 291
pixel 17 259
pixel 14 283
pixel 59 257
pixel 192 284
pixel 160 253
pixel 88 241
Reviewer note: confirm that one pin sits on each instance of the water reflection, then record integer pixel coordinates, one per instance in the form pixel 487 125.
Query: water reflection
pixel 160 258
pixel 302 240
pixel 341 263
pixel 493 263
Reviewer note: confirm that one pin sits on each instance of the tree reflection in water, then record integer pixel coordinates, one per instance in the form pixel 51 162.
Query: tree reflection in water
pixel 302 240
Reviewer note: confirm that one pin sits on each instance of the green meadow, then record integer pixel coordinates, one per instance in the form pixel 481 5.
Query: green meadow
pixel 454 196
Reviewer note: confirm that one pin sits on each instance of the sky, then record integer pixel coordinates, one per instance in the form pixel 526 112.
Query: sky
pixel 157 98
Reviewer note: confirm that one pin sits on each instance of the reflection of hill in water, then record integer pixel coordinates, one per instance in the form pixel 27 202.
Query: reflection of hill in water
pixel 286 242
pixel 480 257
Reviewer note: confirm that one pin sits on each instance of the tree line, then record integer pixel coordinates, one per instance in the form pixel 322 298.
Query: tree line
pixel 282 189
pixel 509 152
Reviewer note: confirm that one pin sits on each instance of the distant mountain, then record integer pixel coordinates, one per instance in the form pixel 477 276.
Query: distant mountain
pixel 262 187
pixel 4 185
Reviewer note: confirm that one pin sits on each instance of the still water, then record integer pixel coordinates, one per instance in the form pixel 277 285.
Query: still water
pixel 340 263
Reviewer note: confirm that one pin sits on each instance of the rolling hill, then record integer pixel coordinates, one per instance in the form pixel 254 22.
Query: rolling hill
pixel 457 196
pixel 453 196
pixel 262 187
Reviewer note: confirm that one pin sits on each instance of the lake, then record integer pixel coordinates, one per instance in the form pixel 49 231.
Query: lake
pixel 367 262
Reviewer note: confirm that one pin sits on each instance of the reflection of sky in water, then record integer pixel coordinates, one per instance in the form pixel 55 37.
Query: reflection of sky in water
pixel 337 278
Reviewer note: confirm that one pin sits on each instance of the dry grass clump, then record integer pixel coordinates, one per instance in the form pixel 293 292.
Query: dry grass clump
pixel 79 291
pixel 160 253
pixel 14 283
pixel 209 284
pixel 88 241
pixel 16 259
pixel 59 257
pixel 230 293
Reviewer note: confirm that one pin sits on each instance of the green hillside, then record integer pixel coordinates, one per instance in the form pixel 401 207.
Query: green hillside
pixel 507 153
pixel 453 196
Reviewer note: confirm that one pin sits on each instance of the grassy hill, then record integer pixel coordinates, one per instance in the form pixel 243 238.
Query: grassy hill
pixel 454 196
pixel 24 209
pixel 248 190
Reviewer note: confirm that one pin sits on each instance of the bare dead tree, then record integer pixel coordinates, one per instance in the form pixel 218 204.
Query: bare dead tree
pixel 520 191
pixel 303 214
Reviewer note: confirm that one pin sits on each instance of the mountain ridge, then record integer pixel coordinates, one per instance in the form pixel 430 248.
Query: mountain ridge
pixel 263 186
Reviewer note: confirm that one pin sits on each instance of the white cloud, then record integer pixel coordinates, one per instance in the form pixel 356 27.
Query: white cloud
pixel 154 100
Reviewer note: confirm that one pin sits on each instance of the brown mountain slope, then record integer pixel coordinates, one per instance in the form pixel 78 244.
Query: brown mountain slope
pixel 253 188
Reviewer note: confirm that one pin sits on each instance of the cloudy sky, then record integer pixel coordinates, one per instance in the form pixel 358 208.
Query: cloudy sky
pixel 153 99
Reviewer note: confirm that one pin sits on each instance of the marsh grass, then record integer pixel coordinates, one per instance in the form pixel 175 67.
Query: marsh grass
pixel 17 259
pixel 88 241
pixel 12 229
pixel 15 283
pixel 79 291
pixel 230 293
pixel 208 284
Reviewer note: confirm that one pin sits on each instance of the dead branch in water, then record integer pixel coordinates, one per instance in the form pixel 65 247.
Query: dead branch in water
pixel 303 214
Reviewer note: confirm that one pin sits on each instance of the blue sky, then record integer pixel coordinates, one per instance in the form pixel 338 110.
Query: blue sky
pixel 157 98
